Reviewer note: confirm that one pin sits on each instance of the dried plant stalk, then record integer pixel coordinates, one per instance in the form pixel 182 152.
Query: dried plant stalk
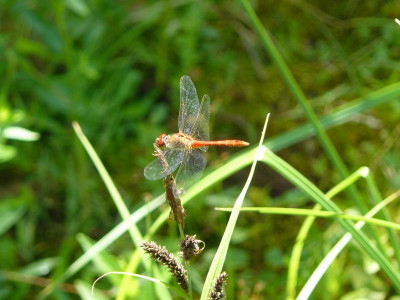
pixel 171 192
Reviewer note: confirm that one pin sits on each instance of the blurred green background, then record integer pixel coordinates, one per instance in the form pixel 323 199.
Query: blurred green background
pixel 114 66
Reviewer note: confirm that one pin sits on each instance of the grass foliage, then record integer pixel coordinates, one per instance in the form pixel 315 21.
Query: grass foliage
pixel 88 85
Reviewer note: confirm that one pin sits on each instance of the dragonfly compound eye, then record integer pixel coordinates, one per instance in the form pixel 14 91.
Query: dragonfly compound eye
pixel 160 140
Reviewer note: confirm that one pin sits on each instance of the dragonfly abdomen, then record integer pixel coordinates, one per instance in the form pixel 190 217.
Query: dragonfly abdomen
pixel 226 143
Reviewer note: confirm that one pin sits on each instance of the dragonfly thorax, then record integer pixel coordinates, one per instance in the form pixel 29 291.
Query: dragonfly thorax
pixel 178 141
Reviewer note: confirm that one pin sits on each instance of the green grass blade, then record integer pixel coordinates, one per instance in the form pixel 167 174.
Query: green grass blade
pixel 270 47
pixel 314 213
pixel 311 190
pixel 237 162
pixel 329 258
pixel 104 262
pixel 219 258
pixel 378 198
pixel 309 112
pixel 112 236
pixel 115 195
pixel 282 141
pixel 338 117
pixel 103 243
pixel 294 262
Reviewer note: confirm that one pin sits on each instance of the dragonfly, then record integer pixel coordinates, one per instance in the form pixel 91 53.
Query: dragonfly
pixel 186 148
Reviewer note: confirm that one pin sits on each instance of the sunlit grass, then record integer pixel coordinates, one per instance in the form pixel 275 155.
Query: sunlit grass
pixel 329 78
pixel 232 166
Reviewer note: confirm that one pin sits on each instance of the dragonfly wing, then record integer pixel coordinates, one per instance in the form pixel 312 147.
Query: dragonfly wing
pixel 200 129
pixel 189 106
pixel 164 164
pixel 191 169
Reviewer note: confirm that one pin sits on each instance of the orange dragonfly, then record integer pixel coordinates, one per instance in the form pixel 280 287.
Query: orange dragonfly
pixel 186 148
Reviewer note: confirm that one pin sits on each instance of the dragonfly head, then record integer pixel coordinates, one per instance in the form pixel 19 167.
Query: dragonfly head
pixel 160 140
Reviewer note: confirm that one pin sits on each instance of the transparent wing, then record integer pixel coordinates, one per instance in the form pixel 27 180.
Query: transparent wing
pixel 189 106
pixel 164 164
pixel 200 129
pixel 191 169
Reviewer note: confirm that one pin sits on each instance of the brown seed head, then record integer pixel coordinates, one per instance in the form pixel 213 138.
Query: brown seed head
pixel 163 256
pixel 217 291
pixel 190 247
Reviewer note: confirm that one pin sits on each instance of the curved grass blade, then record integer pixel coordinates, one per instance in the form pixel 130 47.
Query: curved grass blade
pixel 310 114
pixel 340 116
pixel 294 262
pixel 297 249
pixel 115 195
pixel 327 261
pixel 314 213
pixel 219 258
pixel 318 196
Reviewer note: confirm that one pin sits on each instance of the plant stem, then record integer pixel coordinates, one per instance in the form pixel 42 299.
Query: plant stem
pixel 187 264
